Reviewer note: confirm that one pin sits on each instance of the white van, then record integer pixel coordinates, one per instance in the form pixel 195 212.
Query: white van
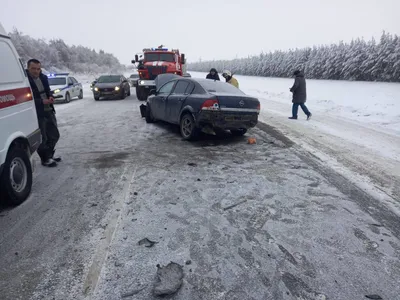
pixel 19 129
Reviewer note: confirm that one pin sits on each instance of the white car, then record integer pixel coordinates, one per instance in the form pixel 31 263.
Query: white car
pixel 65 85
pixel 19 129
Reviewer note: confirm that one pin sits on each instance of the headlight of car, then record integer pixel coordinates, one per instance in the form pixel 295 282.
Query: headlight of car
pixel 96 89
pixel 57 91
pixel 117 88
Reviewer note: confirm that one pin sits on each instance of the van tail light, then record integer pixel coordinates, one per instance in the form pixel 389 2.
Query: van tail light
pixel 210 104
pixel 259 107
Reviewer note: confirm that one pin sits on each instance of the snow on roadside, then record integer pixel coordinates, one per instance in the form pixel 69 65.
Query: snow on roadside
pixel 372 103
pixel 355 128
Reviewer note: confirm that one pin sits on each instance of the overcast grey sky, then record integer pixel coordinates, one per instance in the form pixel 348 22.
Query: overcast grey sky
pixel 210 29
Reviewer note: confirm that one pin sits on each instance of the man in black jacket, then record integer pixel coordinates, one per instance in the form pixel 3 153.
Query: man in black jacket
pixel 299 95
pixel 45 112
pixel 213 74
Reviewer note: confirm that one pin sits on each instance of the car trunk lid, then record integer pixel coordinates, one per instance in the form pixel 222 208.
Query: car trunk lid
pixel 238 103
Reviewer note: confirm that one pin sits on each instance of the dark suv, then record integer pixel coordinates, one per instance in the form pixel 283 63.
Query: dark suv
pixel 111 86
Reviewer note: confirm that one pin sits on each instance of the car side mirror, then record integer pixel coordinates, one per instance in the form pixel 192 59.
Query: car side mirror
pixel 70 83
pixel 136 58
pixel 153 92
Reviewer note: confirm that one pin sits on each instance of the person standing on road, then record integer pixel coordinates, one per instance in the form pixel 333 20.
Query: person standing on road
pixel 230 79
pixel 299 95
pixel 45 112
pixel 213 74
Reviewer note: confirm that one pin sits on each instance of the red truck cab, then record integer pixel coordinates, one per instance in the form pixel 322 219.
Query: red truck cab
pixel 153 62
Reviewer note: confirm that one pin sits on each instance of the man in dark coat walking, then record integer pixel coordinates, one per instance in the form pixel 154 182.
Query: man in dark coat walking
pixel 299 95
pixel 213 74
pixel 45 112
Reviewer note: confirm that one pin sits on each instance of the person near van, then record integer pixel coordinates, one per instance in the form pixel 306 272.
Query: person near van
pixel 213 74
pixel 45 112
pixel 230 79
pixel 299 95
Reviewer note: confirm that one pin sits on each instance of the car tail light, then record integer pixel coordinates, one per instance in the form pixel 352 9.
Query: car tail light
pixel 259 107
pixel 210 104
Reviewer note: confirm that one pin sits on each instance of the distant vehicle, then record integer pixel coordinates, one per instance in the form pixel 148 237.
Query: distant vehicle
pixel 66 86
pixel 19 129
pixel 153 62
pixel 133 79
pixel 111 86
pixel 199 104
pixel 92 84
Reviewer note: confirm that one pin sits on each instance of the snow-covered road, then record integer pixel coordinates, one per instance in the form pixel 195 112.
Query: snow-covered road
pixel 355 128
pixel 264 221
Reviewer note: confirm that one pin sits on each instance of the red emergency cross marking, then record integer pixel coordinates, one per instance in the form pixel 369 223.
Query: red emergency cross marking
pixel 14 97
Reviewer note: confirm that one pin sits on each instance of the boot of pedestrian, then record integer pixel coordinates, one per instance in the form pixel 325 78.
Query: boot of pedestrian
pixel 49 163
pixel 309 116
pixel 56 158
pixel 292 118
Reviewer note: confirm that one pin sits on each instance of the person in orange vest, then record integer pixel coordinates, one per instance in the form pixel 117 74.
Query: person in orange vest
pixel 230 79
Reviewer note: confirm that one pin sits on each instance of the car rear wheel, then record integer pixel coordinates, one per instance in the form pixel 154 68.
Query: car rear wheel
pixel 188 127
pixel 80 95
pixel 67 98
pixel 16 178
pixel 239 132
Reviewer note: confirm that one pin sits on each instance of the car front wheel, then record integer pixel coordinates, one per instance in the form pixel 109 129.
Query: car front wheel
pixel 16 178
pixel 188 128
pixel 149 116
pixel 67 98
pixel 80 95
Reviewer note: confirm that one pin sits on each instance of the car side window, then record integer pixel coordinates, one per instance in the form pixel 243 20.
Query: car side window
pixel 74 80
pixel 70 81
pixel 180 87
pixel 189 88
pixel 166 88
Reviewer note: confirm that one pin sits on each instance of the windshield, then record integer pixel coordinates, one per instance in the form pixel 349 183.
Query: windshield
pixel 108 79
pixel 57 81
pixel 219 87
pixel 134 75
pixel 169 57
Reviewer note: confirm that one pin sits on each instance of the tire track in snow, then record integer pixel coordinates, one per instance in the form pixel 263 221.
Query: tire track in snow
pixel 96 267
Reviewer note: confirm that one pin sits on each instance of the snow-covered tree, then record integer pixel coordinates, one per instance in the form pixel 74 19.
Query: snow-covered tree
pixel 56 55
pixel 357 60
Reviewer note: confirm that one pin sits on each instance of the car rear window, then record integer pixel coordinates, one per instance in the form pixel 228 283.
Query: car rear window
pixel 219 87
pixel 57 81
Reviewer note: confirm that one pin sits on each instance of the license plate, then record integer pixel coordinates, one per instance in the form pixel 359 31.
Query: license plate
pixel 238 118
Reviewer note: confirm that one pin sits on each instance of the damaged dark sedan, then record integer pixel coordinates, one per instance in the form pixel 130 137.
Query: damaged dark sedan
pixel 200 105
